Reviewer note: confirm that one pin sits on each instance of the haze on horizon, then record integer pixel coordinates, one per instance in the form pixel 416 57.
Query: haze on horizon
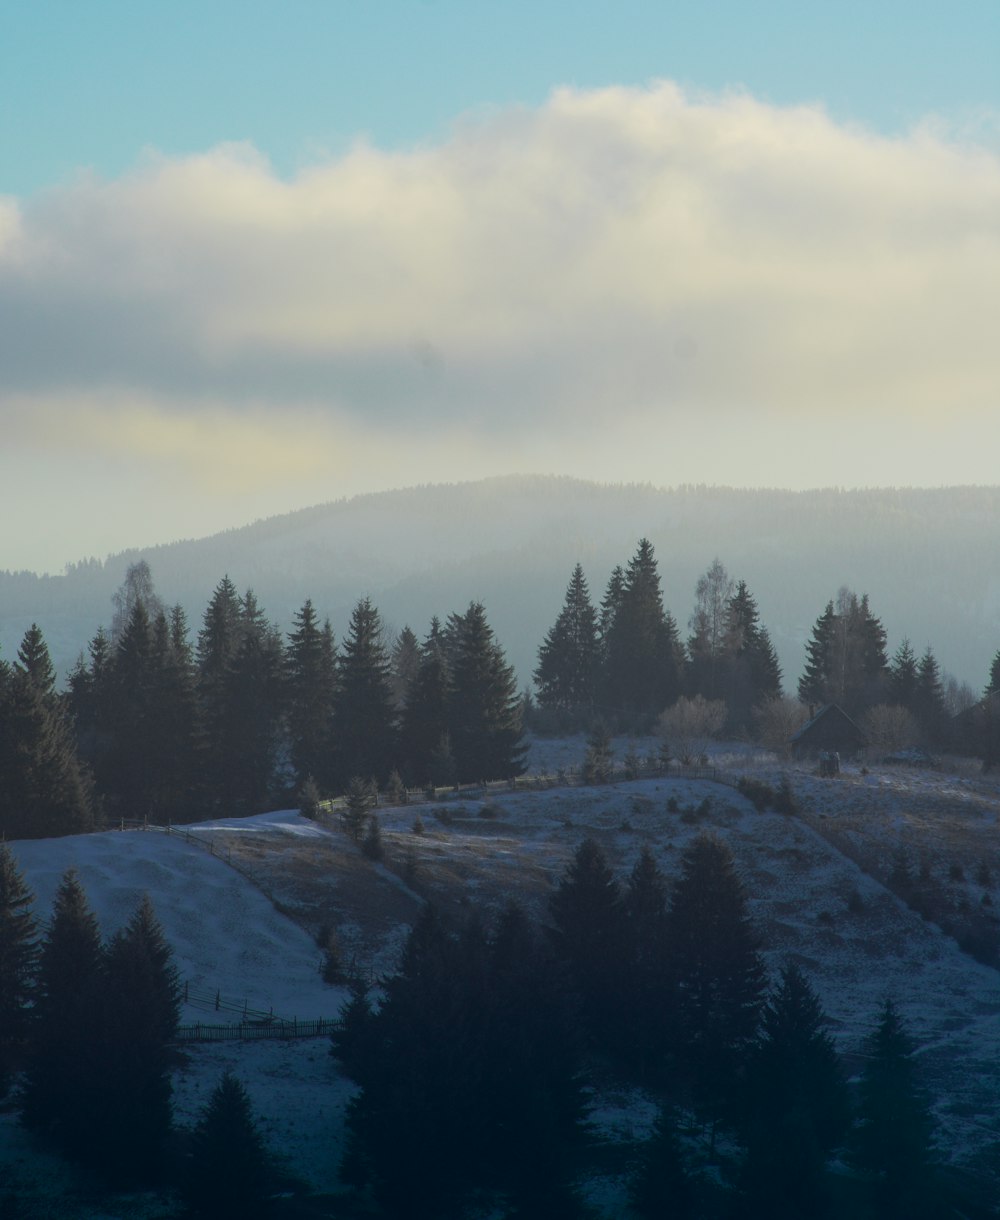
pixel 253 261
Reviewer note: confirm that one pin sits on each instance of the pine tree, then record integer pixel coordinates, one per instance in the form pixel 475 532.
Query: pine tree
pixel 568 659
pixel 797 1105
pixel 424 719
pixel 646 955
pixel 846 660
pixel 661 1185
pixel 18 963
pixel 33 657
pixel 644 660
pixel 929 699
pixel 403 664
pixel 718 975
pixel 62 1078
pixel 484 711
pixel 993 681
pixel 230 1172
pixel 311 684
pixel 588 931
pixel 753 675
pixel 364 716
pixel 140 1009
pixel 903 677
pixel 45 791
pixel 894 1141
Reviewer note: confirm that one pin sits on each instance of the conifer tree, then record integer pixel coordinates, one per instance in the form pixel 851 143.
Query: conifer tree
pixel 484 711
pixel 894 1141
pixel 588 930
pixel 646 954
pixel 45 790
pixel 364 716
pixel 903 677
pixel 661 1185
pixel 929 698
pixel 993 681
pixel 63 1078
pixel 424 719
pixel 33 657
pixel 18 962
pixel 568 659
pixel 717 972
pixel 311 683
pixel 231 1172
pixel 753 675
pixel 643 665
pixel 797 1106
pixel 403 664
pixel 846 660
pixel 140 1009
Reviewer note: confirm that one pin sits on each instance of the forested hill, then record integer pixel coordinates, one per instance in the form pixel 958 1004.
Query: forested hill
pixel 929 560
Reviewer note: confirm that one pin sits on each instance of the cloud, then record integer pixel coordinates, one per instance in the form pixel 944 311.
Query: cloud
pixel 650 256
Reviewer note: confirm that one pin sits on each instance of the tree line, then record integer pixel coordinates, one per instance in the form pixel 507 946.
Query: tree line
pixel 155 724
pixel 87 1031
pixel 475 1061
pixel 624 662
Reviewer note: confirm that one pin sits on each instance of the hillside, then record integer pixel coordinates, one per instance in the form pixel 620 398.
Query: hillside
pixel 243 915
pixel 927 558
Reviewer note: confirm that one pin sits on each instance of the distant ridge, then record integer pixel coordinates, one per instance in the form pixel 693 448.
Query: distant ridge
pixel 928 558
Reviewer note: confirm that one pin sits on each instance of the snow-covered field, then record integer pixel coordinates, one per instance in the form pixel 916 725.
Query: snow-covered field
pixel 241 918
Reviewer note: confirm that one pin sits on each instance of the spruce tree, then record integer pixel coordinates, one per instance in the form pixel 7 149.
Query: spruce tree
pixel 364 715
pixel 424 718
pixel 753 675
pixel 646 955
pixel 140 1006
pixel 846 659
pixel 588 931
pixel 46 790
pixel 33 657
pixel 894 1140
pixel 993 681
pixel 311 682
pixel 18 963
pixel 929 699
pixel 568 659
pixel 903 677
pixel 64 1075
pixel 484 710
pixel 230 1171
pixel 797 1109
pixel 644 660
pixel 661 1184
pixel 718 975
pixel 404 662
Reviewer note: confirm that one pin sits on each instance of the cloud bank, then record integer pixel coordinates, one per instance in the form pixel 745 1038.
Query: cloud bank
pixel 613 282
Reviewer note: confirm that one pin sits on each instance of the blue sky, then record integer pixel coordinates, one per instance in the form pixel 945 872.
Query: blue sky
pixel 92 85
pixel 256 256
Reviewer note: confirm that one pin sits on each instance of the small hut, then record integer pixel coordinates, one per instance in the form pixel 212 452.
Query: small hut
pixel 829 735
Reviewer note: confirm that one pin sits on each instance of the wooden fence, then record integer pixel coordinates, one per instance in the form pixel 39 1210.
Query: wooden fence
pixel 251 1031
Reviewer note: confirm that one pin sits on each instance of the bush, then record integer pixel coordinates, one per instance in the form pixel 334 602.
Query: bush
pixel 757 792
pixel 371 845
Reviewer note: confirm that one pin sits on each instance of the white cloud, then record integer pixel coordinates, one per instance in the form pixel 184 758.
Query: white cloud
pixel 644 258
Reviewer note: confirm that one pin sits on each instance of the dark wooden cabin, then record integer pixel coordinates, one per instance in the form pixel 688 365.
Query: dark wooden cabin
pixel 830 731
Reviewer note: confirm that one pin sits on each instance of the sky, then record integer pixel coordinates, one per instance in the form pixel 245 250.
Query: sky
pixel 255 257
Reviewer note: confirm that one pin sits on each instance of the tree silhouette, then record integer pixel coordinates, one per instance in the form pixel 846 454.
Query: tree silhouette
pixel 230 1172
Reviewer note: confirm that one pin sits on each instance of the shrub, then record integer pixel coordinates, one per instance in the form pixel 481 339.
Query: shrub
pixel 757 792
pixel 310 799
pixel 784 798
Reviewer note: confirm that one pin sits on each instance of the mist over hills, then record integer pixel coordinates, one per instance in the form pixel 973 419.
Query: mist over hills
pixel 928 558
